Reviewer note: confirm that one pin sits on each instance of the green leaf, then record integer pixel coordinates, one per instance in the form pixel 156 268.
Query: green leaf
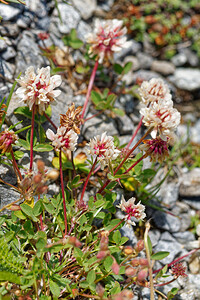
pixel 127 67
pixel 37 209
pixel 118 68
pixel 118 111
pixel 28 211
pixel 162 272
pixel 124 239
pixel 117 237
pixel 23 143
pixel 28 137
pixel 108 263
pixel 10 277
pixel 18 154
pixel 43 148
pixel 96 97
pixel 172 293
pixel 54 288
pixel 91 276
pixel 24 111
pixel 149 244
pixel 42 134
pixel 28 227
pixel 19 214
pixel 72 40
pixel 160 255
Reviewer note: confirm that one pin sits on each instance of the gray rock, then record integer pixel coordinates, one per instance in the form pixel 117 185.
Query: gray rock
pixel 7 69
pixel 86 8
pixel 83 29
pixel 125 125
pixel 97 126
pixel 184 237
pixel 8 12
pixel 28 53
pixel 134 60
pixel 145 294
pixel 129 233
pixel 7 196
pixel 145 60
pixel 169 193
pixel 44 23
pixel 70 18
pixel 179 59
pixel 190 184
pixel 163 67
pixel 105 5
pixel 9 53
pixel 7 174
pixel 133 46
pixel 168 243
pixel 38 7
pixel 154 236
pixel 166 221
pixel 186 78
pixel 144 75
pixel 25 20
pixel 9 30
pixel 3 45
pixel 192 58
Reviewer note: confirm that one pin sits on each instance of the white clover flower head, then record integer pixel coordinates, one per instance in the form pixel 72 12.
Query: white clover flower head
pixel 154 90
pixel 163 118
pixel 64 139
pixel 38 88
pixel 132 210
pixel 103 147
pixel 107 38
pixel 156 148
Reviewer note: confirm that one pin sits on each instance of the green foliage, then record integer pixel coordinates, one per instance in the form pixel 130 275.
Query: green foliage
pixel 72 40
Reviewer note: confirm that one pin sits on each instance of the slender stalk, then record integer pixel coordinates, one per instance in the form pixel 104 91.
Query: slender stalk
pixel 31 139
pixel 120 222
pixel 126 157
pixel 89 88
pixel 50 121
pixel 87 179
pixel 93 116
pixel 63 192
pixel 165 283
pixel 10 204
pixel 137 162
pixel 160 293
pixel 15 165
pixel 147 225
pixel 135 133
pixel 12 186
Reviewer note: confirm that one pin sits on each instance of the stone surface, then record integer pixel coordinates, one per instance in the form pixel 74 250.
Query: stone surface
pixel 179 59
pixel 145 60
pixel 184 237
pixel 83 29
pixel 169 193
pixel 190 184
pixel 3 45
pixel 8 12
pixel 166 221
pixel 129 232
pixel 163 67
pixel 186 78
pixel 86 7
pixel 9 30
pixel 7 196
pixel 7 70
pixel 9 53
pixel 70 18
pixel 124 125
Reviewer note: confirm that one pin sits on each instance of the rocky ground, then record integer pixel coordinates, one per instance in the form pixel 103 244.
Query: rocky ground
pixel 19 49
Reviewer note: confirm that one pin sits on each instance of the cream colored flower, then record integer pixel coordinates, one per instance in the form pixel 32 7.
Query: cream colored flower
pixel 107 38
pixel 132 210
pixel 155 90
pixel 38 88
pixel 64 139
pixel 163 118
pixel 103 147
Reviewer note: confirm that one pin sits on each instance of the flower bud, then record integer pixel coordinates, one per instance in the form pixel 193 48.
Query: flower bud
pixel 42 189
pixel 100 290
pixel 130 272
pixel 40 166
pixel 140 246
pixel 142 275
pixel 115 268
pixel 135 262
pixel 37 178
pixel 53 174
pixel 102 254
pixel 143 262
pixel 128 250
pixel 74 241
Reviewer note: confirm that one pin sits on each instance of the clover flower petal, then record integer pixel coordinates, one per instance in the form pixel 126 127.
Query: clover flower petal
pixel 103 147
pixel 108 37
pixel 156 148
pixel 7 139
pixel 38 88
pixel 63 139
pixel 132 210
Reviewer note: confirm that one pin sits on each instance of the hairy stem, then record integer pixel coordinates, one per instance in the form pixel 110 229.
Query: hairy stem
pixel 89 88
pixel 31 139
pixel 147 225
pixel 63 192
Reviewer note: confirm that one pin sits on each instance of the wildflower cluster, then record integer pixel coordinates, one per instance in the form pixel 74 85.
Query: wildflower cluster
pixel 159 115
pixel 7 139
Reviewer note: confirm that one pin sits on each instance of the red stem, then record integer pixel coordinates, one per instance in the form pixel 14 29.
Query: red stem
pixel 50 121
pixel 123 161
pixel 178 259
pixel 89 88
pixel 139 160
pixel 15 165
pixel 93 116
pixel 31 140
pixel 63 192
pixel 135 133
pixel 87 179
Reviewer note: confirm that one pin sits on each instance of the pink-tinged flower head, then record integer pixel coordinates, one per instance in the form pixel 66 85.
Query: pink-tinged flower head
pixel 178 269
pixel 7 139
pixel 163 118
pixel 103 147
pixel 64 139
pixel 108 37
pixel 132 210
pixel 38 88
pixel 154 90
pixel 156 148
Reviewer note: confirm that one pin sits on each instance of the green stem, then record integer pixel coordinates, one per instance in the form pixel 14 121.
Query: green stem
pixel 147 225
pixel 63 191
pixel 31 139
